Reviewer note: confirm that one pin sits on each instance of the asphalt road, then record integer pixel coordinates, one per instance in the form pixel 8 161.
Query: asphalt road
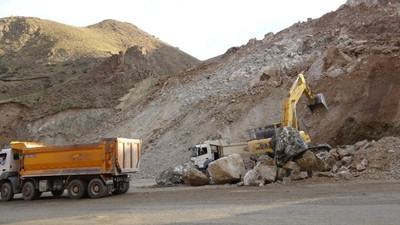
pixel 332 203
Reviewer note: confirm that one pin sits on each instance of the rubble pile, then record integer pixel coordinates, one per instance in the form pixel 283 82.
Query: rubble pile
pixel 365 160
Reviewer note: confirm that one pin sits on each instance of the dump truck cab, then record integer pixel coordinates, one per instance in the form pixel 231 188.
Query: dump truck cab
pixel 9 167
pixel 9 161
pixel 203 154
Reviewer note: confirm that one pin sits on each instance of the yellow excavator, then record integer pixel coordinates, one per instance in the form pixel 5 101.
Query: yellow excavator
pixel 203 154
pixel 260 137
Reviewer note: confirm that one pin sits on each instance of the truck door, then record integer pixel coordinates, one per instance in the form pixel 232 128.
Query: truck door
pixel 3 162
pixel 203 154
pixel 9 160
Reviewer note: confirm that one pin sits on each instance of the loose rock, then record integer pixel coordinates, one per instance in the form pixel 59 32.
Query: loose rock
pixel 267 172
pixel 173 175
pixel 226 169
pixel 194 177
pixel 287 143
pixel 252 178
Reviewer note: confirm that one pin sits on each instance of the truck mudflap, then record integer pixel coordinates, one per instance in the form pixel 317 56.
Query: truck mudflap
pixel 108 180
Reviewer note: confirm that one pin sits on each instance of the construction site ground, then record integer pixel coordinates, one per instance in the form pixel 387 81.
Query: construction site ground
pixel 295 203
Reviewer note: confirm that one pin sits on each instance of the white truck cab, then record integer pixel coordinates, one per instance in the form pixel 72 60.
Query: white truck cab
pixel 9 167
pixel 202 153
pixel 9 161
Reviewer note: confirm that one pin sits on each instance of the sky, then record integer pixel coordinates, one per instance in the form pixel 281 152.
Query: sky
pixel 201 28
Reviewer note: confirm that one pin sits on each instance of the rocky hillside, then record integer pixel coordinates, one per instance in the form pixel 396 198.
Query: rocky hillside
pixel 73 77
pixel 351 55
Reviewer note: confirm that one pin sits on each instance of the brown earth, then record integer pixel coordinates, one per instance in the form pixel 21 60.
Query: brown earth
pixel 351 55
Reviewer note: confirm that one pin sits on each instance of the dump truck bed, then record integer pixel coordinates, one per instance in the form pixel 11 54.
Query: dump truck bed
pixel 114 156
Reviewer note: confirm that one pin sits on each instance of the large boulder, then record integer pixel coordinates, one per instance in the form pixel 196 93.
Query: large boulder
pixel 267 172
pixel 252 178
pixel 287 143
pixel 306 161
pixel 228 169
pixel 238 164
pixel 291 167
pixel 309 162
pixel 173 175
pixel 194 177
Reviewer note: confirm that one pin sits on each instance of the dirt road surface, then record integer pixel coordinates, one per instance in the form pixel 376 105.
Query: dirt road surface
pixel 330 203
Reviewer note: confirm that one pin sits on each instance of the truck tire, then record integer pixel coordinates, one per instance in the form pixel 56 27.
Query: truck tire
pixel 97 188
pixel 124 187
pixel 29 192
pixel 77 188
pixel 7 192
pixel 57 193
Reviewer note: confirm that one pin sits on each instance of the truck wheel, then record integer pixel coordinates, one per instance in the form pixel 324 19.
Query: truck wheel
pixel 77 189
pixel 7 192
pixel 97 188
pixel 124 187
pixel 29 192
pixel 57 193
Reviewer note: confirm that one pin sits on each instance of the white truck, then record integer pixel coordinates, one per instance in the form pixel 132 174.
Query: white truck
pixel 204 154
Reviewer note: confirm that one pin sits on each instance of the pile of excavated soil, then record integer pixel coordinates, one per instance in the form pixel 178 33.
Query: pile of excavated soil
pixel 381 159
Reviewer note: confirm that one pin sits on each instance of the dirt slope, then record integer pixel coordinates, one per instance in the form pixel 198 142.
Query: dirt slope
pixel 351 55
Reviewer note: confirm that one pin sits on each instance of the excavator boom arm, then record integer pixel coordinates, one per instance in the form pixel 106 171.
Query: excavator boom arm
pixel 300 87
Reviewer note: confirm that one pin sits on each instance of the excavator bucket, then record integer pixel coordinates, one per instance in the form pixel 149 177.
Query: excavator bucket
pixel 318 105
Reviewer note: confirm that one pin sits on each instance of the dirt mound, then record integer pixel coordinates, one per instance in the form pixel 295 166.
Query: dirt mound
pixel 382 157
pixel 372 161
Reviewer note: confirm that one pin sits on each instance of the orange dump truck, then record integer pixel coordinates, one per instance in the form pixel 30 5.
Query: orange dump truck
pixel 94 169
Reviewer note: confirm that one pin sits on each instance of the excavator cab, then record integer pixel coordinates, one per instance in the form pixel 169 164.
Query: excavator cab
pixel 318 104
